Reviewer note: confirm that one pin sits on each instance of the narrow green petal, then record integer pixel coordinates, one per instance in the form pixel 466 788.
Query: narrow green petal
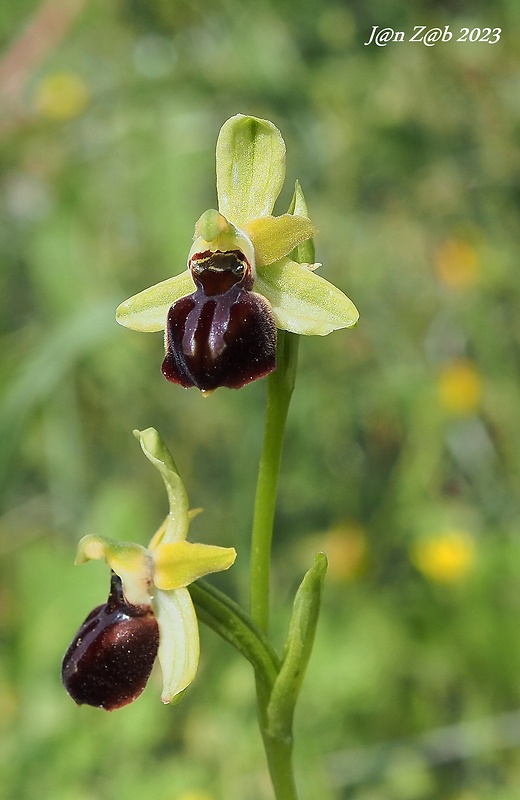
pixel 157 453
pixel 178 564
pixel 250 168
pixel 302 302
pixel 147 311
pixel 178 641
pixel 130 561
pixel 275 237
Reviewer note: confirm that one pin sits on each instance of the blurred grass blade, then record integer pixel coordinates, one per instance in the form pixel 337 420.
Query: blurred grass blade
pixel 46 366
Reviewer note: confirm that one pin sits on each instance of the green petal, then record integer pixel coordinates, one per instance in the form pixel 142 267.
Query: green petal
pixel 147 311
pixel 178 520
pixel 130 561
pixel 178 564
pixel 178 641
pixel 302 302
pixel 275 237
pixel 250 168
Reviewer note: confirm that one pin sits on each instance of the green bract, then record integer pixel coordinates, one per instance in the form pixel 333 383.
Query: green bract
pixel 159 574
pixel 250 165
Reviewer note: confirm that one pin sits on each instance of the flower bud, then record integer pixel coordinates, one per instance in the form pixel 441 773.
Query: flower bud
pixel 111 657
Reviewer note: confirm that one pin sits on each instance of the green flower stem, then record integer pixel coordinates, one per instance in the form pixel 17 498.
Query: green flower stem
pixel 279 760
pixel 280 385
pixel 249 634
pixel 229 621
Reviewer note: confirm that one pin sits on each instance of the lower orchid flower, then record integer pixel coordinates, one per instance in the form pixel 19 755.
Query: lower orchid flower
pixel 241 284
pixel 149 611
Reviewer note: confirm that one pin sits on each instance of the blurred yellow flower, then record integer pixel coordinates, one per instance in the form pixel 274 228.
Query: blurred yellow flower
pixel 460 387
pixel 346 547
pixel 457 264
pixel 61 96
pixel 445 557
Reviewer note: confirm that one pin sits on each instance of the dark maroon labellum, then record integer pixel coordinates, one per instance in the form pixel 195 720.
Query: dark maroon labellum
pixel 223 334
pixel 111 657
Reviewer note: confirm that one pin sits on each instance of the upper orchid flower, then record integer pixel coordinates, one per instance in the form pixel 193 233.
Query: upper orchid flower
pixel 149 610
pixel 241 283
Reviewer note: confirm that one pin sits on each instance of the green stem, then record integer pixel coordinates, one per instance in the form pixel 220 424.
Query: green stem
pixel 231 622
pixel 249 634
pixel 279 760
pixel 280 385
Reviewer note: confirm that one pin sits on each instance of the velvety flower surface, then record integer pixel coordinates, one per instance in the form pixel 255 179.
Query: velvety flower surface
pixel 149 611
pixel 221 314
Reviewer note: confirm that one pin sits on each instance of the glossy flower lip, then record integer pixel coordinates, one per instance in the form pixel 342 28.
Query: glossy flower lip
pixel 109 661
pixel 250 166
pixel 156 577
pixel 223 333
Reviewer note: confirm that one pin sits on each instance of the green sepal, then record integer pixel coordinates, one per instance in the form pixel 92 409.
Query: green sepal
pixel 147 311
pixel 298 648
pixel 250 164
pixel 304 253
pixel 303 302
pixel 275 237
pixel 178 520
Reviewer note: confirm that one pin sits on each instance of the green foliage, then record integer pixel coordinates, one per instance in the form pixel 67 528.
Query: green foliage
pixel 403 431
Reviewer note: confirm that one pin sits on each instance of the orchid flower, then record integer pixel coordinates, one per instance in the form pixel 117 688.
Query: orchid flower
pixel 149 611
pixel 241 283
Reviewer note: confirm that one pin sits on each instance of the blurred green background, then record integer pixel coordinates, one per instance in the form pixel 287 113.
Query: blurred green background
pixel 402 458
